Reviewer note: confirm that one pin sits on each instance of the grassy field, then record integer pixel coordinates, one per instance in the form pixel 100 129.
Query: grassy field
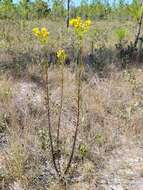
pixel 108 152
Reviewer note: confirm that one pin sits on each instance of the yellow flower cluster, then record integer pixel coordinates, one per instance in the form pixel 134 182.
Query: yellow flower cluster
pixel 42 35
pixel 80 26
pixel 61 55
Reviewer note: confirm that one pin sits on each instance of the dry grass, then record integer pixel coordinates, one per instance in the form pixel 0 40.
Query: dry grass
pixel 111 111
pixel 110 121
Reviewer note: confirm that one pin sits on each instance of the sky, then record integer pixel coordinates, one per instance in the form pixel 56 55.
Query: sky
pixel 77 2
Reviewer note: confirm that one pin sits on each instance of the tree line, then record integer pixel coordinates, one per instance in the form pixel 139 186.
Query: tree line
pixel 95 9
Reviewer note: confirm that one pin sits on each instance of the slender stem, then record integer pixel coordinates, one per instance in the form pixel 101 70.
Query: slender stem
pixel 60 111
pixel 78 113
pixel 49 119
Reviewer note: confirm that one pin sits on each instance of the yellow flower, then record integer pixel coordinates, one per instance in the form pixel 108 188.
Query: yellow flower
pixel 88 23
pixel 36 31
pixel 72 21
pixel 61 55
pixel 42 35
pixel 44 32
pixel 80 26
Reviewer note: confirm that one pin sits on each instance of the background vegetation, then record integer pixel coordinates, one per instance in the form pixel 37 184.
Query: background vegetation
pixel 94 9
pixel 108 152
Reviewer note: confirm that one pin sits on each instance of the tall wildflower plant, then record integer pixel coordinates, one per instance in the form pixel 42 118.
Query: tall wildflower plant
pixel 80 28
pixel 42 36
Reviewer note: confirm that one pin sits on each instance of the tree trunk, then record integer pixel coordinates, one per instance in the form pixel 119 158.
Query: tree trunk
pixel 138 31
pixel 68 13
